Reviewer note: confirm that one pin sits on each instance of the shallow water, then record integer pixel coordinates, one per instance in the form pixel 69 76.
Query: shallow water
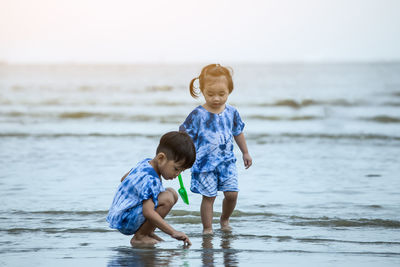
pixel 324 187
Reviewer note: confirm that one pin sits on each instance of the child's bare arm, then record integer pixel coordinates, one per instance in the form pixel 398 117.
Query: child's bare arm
pixel 124 176
pixel 241 141
pixel 155 218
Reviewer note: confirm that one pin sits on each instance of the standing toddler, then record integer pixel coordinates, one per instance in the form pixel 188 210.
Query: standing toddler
pixel 213 126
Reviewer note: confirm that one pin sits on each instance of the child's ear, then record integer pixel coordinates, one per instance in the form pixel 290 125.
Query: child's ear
pixel 161 157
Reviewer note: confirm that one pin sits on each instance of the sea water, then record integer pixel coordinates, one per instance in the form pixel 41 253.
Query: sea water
pixel 323 189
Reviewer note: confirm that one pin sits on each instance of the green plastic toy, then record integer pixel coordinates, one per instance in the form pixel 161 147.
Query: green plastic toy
pixel 182 191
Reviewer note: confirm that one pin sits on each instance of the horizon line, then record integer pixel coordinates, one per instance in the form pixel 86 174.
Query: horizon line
pixel 121 63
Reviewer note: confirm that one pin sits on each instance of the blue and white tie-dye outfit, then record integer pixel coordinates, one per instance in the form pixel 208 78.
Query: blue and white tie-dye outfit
pixel 126 211
pixel 212 134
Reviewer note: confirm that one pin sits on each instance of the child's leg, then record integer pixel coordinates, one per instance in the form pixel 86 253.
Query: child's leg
pixel 228 183
pixel 228 205
pixel 206 211
pixel 145 234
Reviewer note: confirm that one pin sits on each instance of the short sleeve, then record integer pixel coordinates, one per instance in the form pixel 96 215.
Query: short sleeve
pixel 150 190
pixel 191 125
pixel 238 124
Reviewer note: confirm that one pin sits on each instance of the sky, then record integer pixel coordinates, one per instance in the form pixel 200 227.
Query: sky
pixel 182 31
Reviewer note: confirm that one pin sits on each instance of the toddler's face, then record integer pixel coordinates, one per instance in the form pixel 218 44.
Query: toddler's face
pixel 171 169
pixel 216 92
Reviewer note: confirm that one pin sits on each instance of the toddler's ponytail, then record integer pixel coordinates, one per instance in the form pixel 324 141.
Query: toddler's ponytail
pixel 192 89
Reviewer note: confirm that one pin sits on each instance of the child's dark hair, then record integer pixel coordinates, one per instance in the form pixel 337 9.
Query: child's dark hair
pixel 214 70
pixel 178 146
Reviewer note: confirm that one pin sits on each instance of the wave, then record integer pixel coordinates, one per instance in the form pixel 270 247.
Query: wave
pixel 106 229
pixel 297 220
pixel 81 115
pixel 355 136
pixel 291 103
pixel 173 118
pixel 121 117
pixel 392 104
pixel 160 88
pixel 383 119
pixel 315 239
pixel 337 222
pixel 92 88
pixel 375 207
pixel 279 118
pixel 310 102
pixel 193 217
pixel 236 213
pixel 61 135
pixel 60 212
pixel 260 138
pixel 373 175
pixel 53 230
pixel 97 115
pixel 145 118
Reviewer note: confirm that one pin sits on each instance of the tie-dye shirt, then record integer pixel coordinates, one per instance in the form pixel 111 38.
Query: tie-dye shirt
pixel 126 211
pixel 212 136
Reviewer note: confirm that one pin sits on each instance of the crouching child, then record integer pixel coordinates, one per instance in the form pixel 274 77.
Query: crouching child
pixel 141 202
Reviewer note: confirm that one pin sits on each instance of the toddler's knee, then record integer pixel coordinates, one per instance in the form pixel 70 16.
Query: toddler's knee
pixel 173 195
pixel 209 200
pixel 231 196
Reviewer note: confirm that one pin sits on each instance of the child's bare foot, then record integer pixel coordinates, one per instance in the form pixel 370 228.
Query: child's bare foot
pixel 225 225
pixel 138 240
pixel 208 231
pixel 156 237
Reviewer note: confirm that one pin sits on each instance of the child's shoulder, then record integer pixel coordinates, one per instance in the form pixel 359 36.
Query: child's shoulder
pixel 198 111
pixel 143 168
pixel 231 109
pixel 143 164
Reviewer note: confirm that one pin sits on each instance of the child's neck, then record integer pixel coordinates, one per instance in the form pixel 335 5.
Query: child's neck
pixel 155 167
pixel 213 110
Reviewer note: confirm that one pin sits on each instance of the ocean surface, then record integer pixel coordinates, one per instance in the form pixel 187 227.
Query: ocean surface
pixel 324 188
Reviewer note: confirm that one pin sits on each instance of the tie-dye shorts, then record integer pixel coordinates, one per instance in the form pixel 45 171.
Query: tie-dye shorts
pixel 223 178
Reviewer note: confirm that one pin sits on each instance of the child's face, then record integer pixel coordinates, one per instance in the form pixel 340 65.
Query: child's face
pixel 216 92
pixel 170 169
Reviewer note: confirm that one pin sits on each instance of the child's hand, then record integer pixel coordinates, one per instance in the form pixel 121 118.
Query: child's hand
pixel 247 160
pixel 181 236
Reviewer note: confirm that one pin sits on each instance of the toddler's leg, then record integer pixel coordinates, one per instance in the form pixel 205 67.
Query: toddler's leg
pixel 145 234
pixel 228 205
pixel 206 211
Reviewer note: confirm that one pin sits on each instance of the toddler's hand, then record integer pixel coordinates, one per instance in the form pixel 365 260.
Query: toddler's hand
pixel 182 236
pixel 247 160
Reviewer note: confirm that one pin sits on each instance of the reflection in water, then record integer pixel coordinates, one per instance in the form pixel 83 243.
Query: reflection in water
pixel 134 257
pixel 230 257
pixel 229 254
pixel 207 252
pixel 210 254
